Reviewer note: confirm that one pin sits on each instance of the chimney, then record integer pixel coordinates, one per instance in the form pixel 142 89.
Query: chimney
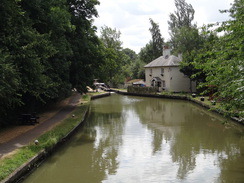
pixel 166 51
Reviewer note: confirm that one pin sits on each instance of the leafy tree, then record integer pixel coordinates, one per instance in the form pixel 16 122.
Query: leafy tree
pixel 28 49
pixel 138 70
pixel 181 18
pixel 9 37
pixel 52 19
pixel 224 61
pixel 46 48
pixel 85 45
pixel 157 40
pixel 146 53
pixel 111 38
pixel 130 62
pixel 185 38
pixel 189 42
pixel 132 54
pixel 114 56
pixel 9 84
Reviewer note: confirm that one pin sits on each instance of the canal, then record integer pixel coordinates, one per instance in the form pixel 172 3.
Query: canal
pixel 129 139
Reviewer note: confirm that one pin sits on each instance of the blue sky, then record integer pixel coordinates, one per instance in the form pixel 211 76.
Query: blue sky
pixel 131 17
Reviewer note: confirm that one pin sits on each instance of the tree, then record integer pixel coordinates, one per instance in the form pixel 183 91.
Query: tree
pixel 111 38
pixel 138 70
pixel 185 38
pixel 132 54
pixel 114 56
pixel 28 52
pixel 189 42
pixel 224 62
pixel 146 53
pixel 9 84
pixel 157 40
pixel 52 19
pixel 181 18
pixel 86 48
pixel 46 48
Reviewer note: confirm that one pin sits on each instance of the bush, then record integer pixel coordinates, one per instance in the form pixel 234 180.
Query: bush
pixel 141 90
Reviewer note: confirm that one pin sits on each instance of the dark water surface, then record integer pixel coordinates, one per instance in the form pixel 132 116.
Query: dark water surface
pixel 142 140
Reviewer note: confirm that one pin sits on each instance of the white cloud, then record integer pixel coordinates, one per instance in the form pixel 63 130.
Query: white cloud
pixel 131 17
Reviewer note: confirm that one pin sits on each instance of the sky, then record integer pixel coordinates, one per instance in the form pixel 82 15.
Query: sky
pixel 131 17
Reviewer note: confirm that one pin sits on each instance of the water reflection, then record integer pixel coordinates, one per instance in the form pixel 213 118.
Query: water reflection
pixel 136 139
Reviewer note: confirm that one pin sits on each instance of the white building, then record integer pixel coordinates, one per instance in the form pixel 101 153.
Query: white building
pixel 164 74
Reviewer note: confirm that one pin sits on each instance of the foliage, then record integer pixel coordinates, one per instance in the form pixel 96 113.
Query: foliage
pixel 9 84
pixel 223 64
pixel 141 90
pixel 117 61
pixel 46 48
pixel 157 40
pixel 138 70
pixel 146 53
pixel 131 54
pixel 111 38
pixel 182 17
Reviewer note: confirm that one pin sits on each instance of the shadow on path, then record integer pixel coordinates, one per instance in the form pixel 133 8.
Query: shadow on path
pixel 27 137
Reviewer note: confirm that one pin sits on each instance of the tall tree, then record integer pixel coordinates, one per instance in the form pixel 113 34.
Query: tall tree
pixel 181 18
pixel 115 58
pixel 185 37
pixel 51 18
pixel 111 38
pixel 157 40
pixel 85 45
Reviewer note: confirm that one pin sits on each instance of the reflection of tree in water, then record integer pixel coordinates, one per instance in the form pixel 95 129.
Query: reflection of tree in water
pixel 203 136
pixel 157 140
pixel 108 128
pixel 191 131
pixel 232 160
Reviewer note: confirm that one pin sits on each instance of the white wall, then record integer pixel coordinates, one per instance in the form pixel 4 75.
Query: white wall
pixel 178 81
pixel 175 81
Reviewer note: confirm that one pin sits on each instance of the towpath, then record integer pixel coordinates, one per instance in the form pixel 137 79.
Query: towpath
pixel 30 133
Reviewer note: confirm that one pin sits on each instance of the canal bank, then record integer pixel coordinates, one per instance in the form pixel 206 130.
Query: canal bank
pixel 18 174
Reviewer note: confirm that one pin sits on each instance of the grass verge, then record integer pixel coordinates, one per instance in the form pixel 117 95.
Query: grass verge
pixel 11 163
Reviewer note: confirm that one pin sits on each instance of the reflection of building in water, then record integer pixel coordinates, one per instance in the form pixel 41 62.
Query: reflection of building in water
pixel 166 112
pixel 163 115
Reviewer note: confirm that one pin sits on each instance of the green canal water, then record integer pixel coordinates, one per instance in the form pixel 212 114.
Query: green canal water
pixel 129 139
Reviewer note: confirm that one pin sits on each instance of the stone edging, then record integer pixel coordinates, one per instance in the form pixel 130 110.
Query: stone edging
pixel 100 96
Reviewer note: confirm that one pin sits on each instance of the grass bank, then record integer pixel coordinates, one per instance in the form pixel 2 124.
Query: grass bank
pixel 12 162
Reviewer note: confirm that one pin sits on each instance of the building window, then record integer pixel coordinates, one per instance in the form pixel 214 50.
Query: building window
pixel 163 83
pixel 162 71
